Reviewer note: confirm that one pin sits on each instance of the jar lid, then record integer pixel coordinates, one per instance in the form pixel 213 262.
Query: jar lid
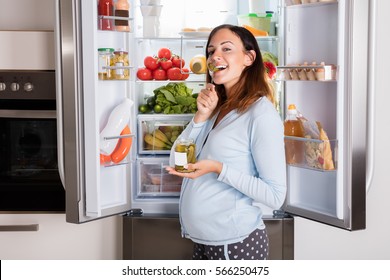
pixel 120 51
pixel 106 49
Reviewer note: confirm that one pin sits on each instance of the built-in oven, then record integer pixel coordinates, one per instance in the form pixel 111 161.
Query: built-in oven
pixel 29 176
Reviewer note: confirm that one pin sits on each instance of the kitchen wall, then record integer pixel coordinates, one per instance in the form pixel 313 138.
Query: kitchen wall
pixel 55 238
pixel 102 239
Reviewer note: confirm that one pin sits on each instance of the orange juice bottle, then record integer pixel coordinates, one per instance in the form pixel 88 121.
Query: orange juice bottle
pixel 293 127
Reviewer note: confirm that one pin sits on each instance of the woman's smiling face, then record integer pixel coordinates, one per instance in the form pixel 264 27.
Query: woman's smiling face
pixel 226 52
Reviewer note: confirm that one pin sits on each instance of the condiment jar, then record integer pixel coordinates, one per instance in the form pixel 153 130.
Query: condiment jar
pixel 184 154
pixel 121 63
pixel 105 8
pixel 105 60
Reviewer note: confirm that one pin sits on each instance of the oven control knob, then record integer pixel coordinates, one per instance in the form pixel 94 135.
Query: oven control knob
pixel 14 86
pixel 28 87
pixel 2 86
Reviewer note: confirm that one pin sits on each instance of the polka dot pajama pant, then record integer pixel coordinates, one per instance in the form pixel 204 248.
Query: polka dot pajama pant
pixel 254 247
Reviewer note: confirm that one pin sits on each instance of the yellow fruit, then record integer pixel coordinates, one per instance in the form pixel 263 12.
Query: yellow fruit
pixel 198 64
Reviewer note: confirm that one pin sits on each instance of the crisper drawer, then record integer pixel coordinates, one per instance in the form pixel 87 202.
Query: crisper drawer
pixel 154 180
pixel 158 132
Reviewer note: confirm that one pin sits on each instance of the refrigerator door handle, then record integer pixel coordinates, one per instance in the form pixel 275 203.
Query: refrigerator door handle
pixel 371 95
pixel 60 143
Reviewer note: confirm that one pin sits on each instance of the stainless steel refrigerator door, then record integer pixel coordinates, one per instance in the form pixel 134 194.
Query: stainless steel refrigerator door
pixel 92 192
pixel 334 32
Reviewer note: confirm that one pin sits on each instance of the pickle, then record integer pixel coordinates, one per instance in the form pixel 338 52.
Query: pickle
pixel 184 154
pixel 191 154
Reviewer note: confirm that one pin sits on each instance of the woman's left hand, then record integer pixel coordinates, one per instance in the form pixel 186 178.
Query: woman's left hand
pixel 201 167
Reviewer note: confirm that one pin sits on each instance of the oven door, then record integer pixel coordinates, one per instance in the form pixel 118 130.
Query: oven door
pixel 29 177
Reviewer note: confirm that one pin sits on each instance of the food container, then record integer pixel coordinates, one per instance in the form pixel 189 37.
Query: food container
pixel 185 153
pixel 105 59
pixel 258 21
pixel 121 63
pixel 315 154
pixel 150 2
pixel 160 132
pixel 154 181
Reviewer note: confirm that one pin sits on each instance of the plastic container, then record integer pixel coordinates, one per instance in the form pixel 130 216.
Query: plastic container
pixel 105 60
pixel 117 121
pixel 258 21
pixel 162 177
pixel 293 127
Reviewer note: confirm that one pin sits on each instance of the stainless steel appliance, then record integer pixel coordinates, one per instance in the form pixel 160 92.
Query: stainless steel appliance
pixel 29 177
pixel 339 38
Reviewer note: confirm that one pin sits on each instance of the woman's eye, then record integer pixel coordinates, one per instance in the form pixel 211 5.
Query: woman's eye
pixel 210 53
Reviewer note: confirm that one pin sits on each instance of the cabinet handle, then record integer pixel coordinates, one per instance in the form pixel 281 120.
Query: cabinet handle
pixel 32 227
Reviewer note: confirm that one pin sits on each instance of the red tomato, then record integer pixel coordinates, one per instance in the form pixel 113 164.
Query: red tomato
pixel 151 62
pixel 174 74
pixel 144 74
pixel 165 64
pixel 159 74
pixel 183 73
pixel 176 61
pixel 164 53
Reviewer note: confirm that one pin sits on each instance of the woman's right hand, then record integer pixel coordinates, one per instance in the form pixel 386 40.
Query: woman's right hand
pixel 206 102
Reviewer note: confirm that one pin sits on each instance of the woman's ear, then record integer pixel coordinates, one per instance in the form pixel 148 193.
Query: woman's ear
pixel 250 56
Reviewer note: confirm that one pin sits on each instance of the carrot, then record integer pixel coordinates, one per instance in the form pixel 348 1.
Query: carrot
pixel 105 159
pixel 123 147
pixel 254 31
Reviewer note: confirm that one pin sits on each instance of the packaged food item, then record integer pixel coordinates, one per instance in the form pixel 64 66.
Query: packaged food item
pixel 320 72
pixel 293 127
pixel 105 8
pixel 309 72
pixel 184 154
pixel 318 152
pixel 302 74
pixel 122 10
pixel 117 121
pixel 105 60
pixel 121 60
pixel 198 64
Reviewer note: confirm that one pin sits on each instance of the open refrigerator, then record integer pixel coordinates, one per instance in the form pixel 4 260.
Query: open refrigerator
pixel 333 32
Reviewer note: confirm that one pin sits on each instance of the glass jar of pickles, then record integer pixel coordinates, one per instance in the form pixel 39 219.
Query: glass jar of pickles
pixel 121 63
pixel 105 60
pixel 184 154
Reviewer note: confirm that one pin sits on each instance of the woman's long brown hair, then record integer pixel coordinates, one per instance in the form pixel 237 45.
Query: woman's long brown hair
pixel 253 82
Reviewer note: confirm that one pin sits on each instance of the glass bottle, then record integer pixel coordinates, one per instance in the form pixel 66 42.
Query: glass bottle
pixel 122 10
pixel 293 127
pixel 121 60
pixel 184 154
pixel 105 8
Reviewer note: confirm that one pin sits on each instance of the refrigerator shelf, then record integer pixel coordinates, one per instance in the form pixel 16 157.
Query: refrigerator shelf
pixel 116 18
pixel 306 73
pixel 292 4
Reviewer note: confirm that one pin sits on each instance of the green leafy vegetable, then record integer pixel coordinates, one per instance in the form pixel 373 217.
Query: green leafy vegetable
pixel 175 98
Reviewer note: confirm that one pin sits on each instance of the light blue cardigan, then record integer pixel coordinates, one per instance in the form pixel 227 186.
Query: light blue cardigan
pixel 218 210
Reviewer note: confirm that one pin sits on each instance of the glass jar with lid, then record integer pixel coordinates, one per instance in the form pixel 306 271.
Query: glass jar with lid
pixel 105 60
pixel 121 63
pixel 184 154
